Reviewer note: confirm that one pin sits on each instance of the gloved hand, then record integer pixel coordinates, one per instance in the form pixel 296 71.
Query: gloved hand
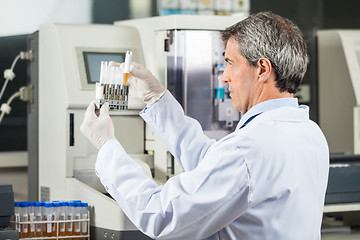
pixel 145 85
pixel 98 129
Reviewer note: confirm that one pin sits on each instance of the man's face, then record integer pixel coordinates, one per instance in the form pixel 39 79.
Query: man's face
pixel 241 77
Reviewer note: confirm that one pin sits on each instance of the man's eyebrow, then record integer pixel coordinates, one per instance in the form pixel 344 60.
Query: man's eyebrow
pixel 228 59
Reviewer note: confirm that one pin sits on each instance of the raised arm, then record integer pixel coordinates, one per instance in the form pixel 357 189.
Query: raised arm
pixel 182 135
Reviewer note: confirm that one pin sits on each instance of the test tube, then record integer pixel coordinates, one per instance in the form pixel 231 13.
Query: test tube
pixel 99 94
pixel 118 76
pixel 48 217
pixel 24 218
pixel 77 216
pixel 84 217
pixel 70 216
pixel 128 60
pixel 111 84
pixel 118 81
pixel 104 79
pixel 31 211
pixel 62 217
pixel 56 216
pixel 38 218
pixel 103 72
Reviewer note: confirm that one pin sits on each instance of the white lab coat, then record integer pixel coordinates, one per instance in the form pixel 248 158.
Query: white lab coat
pixel 264 181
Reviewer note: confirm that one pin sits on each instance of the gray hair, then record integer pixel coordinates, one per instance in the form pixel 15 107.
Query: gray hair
pixel 268 35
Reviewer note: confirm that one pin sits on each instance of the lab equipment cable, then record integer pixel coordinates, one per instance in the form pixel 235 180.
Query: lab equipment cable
pixel 5 107
pixel 25 94
pixel 9 74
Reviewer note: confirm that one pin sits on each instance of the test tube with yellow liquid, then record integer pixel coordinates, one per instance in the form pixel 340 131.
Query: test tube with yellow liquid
pixel 128 60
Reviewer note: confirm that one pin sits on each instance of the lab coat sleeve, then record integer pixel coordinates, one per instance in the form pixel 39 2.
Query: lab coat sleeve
pixel 192 205
pixel 182 135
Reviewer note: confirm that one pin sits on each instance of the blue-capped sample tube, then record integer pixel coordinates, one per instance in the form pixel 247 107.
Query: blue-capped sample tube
pixel 38 218
pixel 77 216
pixel 84 217
pixel 48 217
pixel 62 217
pixel 31 212
pixel 56 218
pixel 24 217
pixel 70 216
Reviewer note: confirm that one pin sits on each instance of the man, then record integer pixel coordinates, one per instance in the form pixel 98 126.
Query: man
pixel 266 180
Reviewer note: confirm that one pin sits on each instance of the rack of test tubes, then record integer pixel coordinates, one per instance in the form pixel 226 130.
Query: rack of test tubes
pixel 113 86
pixel 52 220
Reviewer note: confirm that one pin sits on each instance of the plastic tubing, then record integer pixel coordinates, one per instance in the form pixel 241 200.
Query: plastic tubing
pixel 17 94
pixel 7 79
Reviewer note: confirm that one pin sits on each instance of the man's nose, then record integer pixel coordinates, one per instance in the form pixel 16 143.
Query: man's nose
pixel 224 78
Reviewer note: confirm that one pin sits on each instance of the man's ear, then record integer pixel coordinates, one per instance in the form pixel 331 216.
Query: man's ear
pixel 264 68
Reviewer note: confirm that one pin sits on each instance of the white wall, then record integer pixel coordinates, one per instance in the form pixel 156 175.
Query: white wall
pixel 24 16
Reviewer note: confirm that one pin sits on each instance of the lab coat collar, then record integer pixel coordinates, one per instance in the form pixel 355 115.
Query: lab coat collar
pixel 266 106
